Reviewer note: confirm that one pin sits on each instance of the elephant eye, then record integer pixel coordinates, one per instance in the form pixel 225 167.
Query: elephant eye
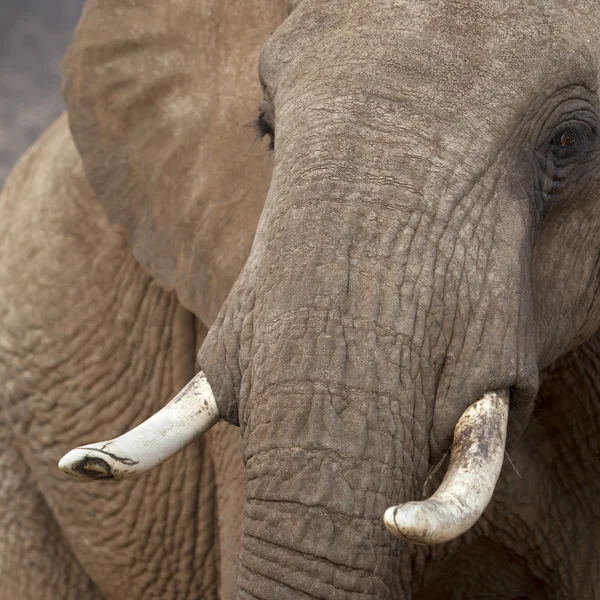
pixel 566 140
pixel 264 128
pixel 571 142
pixel 563 158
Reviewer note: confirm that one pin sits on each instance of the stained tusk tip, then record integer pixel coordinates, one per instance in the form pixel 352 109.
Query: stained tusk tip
pixel 85 463
pixel 190 414
pixel 407 522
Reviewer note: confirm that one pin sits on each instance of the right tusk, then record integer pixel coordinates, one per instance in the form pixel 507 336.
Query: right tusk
pixel 190 414
pixel 475 463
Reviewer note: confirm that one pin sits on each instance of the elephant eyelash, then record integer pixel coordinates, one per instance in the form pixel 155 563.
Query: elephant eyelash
pixel 263 128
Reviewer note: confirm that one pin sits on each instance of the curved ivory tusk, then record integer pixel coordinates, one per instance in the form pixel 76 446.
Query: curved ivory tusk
pixel 475 463
pixel 191 413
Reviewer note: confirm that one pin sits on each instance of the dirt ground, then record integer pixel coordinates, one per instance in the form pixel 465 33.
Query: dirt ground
pixel 33 37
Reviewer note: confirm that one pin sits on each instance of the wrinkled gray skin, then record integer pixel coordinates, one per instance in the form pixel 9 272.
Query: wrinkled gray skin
pixel 425 239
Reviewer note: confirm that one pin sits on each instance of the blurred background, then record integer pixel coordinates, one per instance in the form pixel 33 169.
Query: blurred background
pixel 34 35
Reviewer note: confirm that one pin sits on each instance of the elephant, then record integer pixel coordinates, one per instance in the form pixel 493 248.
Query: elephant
pixel 410 272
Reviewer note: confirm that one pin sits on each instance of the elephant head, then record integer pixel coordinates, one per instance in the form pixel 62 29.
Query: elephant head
pixel 428 245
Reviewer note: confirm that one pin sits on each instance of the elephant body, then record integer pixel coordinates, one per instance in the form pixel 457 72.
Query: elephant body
pixel 125 226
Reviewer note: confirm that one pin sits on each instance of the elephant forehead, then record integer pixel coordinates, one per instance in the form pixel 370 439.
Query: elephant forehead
pixel 465 47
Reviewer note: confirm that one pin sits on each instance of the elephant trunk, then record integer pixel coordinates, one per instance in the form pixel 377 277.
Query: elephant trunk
pixel 354 343
pixel 317 487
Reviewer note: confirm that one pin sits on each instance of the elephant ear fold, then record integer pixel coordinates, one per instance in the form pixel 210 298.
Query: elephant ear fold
pixel 159 95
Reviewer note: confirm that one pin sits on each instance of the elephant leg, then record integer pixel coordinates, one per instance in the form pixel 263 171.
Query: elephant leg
pixel 36 562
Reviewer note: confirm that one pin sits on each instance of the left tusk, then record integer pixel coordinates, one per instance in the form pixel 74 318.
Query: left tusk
pixel 475 463
pixel 190 414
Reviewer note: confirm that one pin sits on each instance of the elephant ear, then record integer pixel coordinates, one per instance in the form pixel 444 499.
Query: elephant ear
pixel 159 95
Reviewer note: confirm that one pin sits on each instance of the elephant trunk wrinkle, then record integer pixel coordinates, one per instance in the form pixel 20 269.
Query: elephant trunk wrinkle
pixel 321 542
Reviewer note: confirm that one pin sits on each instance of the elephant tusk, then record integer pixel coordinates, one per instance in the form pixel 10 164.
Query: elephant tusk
pixel 191 413
pixel 475 463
